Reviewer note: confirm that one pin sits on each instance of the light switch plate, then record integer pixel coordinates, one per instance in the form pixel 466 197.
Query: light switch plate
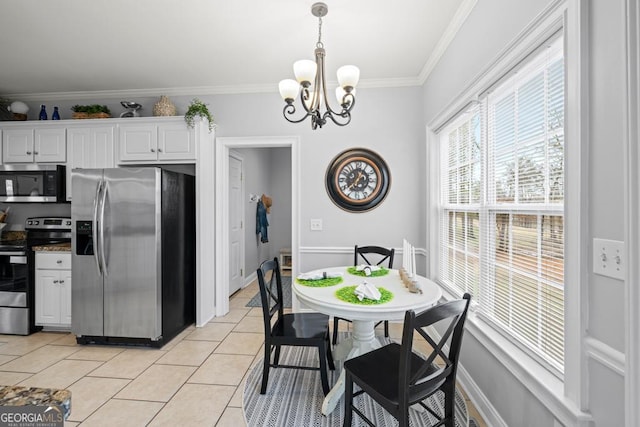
pixel 609 258
pixel 315 224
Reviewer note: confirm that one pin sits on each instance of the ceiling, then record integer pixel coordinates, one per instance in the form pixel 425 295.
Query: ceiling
pixel 79 48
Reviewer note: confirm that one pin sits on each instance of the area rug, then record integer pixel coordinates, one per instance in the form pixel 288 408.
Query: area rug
pixel 286 295
pixel 294 398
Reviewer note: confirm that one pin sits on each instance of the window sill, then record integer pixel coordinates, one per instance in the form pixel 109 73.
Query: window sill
pixel 541 383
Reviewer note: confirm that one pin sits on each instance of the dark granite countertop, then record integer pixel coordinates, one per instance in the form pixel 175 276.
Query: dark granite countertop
pixel 22 396
pixel 56 247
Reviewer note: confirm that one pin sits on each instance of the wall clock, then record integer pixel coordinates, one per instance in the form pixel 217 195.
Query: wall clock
pixel 357 180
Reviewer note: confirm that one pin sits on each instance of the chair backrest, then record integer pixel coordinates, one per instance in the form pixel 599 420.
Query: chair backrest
pixel 419 381
pixel 270 292
pixel 362 251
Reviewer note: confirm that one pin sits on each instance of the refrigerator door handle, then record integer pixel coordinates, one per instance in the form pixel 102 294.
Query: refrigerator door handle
pixel 103 259
pixel 94 229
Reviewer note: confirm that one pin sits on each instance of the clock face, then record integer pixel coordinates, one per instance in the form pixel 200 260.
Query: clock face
pixel 357 180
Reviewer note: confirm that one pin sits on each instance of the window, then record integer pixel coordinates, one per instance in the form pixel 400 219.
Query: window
pixel 501 205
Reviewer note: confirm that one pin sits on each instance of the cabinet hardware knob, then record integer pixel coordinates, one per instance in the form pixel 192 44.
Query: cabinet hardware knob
pixel 35 152
pixel 159 150
pixel 153 150
pixel 29 153
pixel 59 261
pixel 55 281
pixel 61 281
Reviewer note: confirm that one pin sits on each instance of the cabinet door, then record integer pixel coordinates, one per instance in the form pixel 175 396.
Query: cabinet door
pixel 138 143
pixel 17 146
pixel 47 297
pixel 89 148
pixel 50 145
pixel 65 298
pixel 176 142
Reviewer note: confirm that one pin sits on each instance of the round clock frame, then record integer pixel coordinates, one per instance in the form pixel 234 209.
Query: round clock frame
pixel 357 180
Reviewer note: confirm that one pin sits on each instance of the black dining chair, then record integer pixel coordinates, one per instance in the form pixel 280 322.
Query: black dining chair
pixel 293 329
pixel 397 378
pixel 383 254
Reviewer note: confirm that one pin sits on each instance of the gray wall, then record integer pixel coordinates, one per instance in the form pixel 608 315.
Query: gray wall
pixel 466 57
pixel 388 121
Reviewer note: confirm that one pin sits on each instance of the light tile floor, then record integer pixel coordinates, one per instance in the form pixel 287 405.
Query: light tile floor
pixel 196 379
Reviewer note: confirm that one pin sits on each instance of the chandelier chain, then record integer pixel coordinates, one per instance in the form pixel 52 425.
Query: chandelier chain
pixel 319 44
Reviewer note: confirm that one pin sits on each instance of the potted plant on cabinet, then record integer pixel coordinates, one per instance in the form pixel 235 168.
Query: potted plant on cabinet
pixel 198 108
pixel 94 111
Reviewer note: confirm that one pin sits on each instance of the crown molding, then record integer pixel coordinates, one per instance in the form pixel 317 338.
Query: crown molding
pixel 192 91
pixel 447 37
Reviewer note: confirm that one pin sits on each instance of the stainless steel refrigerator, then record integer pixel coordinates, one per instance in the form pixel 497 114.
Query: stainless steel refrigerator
pixel 133 255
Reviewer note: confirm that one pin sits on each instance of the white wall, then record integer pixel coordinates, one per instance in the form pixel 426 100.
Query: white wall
pixel 481 38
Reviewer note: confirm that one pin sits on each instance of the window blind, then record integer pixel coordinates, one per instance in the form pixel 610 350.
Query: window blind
pixel 502 201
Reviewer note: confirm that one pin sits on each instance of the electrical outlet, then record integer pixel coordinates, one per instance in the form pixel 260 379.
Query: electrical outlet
pixel 315 224
pixel 609 258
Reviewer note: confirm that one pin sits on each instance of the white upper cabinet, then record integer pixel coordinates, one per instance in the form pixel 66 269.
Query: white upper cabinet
pixel 28 145
pixel 89 147
pixel 176 141
pixel 156 143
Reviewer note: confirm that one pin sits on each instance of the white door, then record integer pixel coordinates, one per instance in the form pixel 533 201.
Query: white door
pixel 236 229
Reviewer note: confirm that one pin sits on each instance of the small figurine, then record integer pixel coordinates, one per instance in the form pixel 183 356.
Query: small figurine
pixel 414 287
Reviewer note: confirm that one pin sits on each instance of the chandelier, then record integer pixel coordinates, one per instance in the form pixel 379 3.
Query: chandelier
pixel 310 83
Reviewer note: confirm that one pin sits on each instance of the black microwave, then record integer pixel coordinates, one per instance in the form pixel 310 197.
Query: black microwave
pixel 32 183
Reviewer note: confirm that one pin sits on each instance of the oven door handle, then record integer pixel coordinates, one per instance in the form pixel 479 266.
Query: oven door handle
pixel 103 258
pixel 94 229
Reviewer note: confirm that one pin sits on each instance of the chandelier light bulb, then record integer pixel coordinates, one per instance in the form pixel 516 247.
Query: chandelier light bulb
pixel 305 71
pixel 348 76
pixel 289 89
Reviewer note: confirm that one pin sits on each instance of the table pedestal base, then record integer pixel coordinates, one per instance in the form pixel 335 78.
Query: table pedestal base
pixel 363 340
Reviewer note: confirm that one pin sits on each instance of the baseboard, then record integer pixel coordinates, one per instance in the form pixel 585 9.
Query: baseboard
pixel 490 416
pixel 250 279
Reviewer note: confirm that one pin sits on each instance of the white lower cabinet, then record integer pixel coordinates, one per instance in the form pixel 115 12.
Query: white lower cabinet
pixel 53 289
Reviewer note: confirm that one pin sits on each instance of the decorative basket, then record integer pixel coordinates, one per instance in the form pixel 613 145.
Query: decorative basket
pixel 76 115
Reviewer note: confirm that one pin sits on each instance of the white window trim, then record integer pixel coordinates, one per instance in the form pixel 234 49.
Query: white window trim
pixel 632 212
pixel 567 400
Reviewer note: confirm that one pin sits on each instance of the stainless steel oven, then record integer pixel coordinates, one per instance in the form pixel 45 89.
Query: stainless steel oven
pixel 17 272
pixel 14 289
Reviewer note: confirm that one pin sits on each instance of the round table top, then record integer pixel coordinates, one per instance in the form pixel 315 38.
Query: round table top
pixel 324 299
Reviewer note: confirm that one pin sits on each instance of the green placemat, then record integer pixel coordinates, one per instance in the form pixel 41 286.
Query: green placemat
pixel 346 294
pixel 322 283
pixel 382 272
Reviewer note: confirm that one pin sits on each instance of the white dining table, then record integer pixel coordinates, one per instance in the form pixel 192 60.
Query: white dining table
pixel 364 317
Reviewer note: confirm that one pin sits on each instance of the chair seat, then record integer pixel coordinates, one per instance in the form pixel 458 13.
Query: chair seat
pixel 379 372
pixel 301 325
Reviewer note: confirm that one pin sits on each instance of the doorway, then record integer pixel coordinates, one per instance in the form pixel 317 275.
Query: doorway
pixel 224 145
